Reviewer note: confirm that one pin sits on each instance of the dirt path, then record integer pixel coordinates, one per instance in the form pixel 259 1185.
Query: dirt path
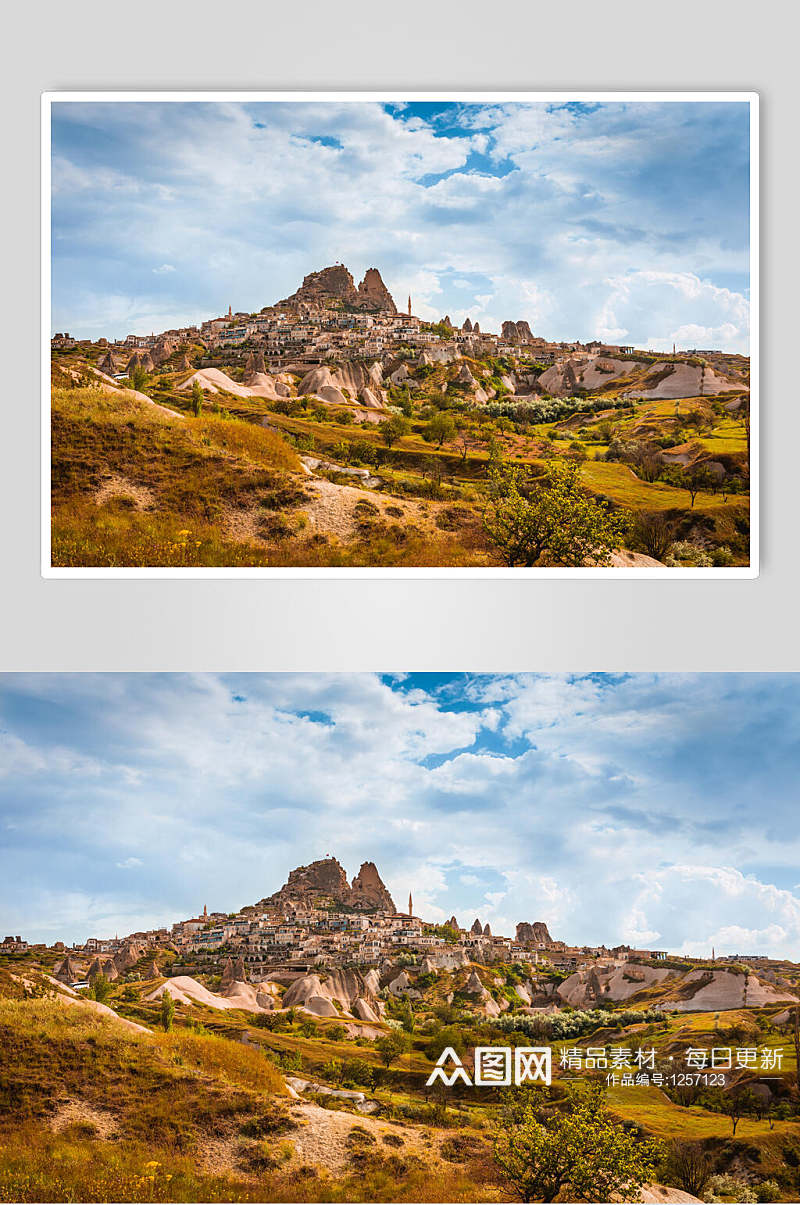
pixel 333 509
pixel 78 1112
pixel 323 1137
pixel 117 486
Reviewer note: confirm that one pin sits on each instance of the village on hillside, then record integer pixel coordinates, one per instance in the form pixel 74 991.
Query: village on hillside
pixel 318 923
pixel 332 430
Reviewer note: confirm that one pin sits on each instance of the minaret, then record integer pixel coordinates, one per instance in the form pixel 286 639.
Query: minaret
pixel 410 905
pixel 205 911
pixel 409 305
pixel 230 311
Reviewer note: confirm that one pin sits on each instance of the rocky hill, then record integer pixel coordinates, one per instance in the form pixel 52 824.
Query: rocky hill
pixel 336 283
pixel 325 881
pixel 537 932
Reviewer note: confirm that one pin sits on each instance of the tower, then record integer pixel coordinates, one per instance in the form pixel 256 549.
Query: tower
pixel 205 911
pixel 410 905
pixel 409 305
pixel 230 311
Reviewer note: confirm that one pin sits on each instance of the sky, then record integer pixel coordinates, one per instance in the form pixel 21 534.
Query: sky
pixel 659 810
pixel 623 222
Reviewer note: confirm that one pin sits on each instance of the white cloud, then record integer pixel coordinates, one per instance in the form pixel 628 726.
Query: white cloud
pixel 271 192
pixel 164 268
pixel 609 807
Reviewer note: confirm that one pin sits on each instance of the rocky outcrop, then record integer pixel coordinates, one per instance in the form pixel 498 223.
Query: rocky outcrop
pixel 679 380
pixel 67 971
pixel 320 288
pixel 466 326
pixel 474 986
pixel 342 988
pixel 536 932
pixel 140 360
pixel 372 981
pixel 364 1010
pixel 402 986
pixel 110 363
pixel 517 332
pixel 335 284
pixel 714 990
pixel 325 880
pixel 371 398
pixel 254 364
pixel 369 891
pixel 477 928
pixel 129 954
pixel 452 959
pixel 487 931
pixel 373 294
pixel 163 350
pixel 588 988
pixel 442 353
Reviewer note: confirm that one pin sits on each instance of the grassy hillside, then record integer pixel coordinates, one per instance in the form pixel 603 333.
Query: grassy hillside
pixel 93 1110
pixel 134 484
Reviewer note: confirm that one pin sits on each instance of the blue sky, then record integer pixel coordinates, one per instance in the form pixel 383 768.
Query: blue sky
pixel 656 809
pixel 620 221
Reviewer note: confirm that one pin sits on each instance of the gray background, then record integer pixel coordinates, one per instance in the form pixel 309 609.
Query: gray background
pixel 399 624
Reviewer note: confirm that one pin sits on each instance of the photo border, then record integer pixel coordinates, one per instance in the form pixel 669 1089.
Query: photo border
pixel 394 96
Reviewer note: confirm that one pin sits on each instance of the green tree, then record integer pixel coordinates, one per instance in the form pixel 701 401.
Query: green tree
pixel 441 428
pixel 550 520
pixel 580 1150
pixel 689 1167
pixel 101 988
pixel 167 1011
pixel 392 429
pixel 407 1017
pixel 137 378
pixel 391 1045
pixel 197 398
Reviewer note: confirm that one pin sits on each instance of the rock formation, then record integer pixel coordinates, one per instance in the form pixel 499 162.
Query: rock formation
pixel 342 988
pixel 453 923
pixel 140 360
pixel 228 975
pixel 254 364
pixel 487 932
pixel 373 294
pixel 369 889
pixel 335 284
pixel 517 332
pixel 320 288
pixel 467 327
pixel 326 880
pixel 536 932
pixel 163 350
pixel 476 330
pixel 110 363
pixel 477 928
pixel 67 971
